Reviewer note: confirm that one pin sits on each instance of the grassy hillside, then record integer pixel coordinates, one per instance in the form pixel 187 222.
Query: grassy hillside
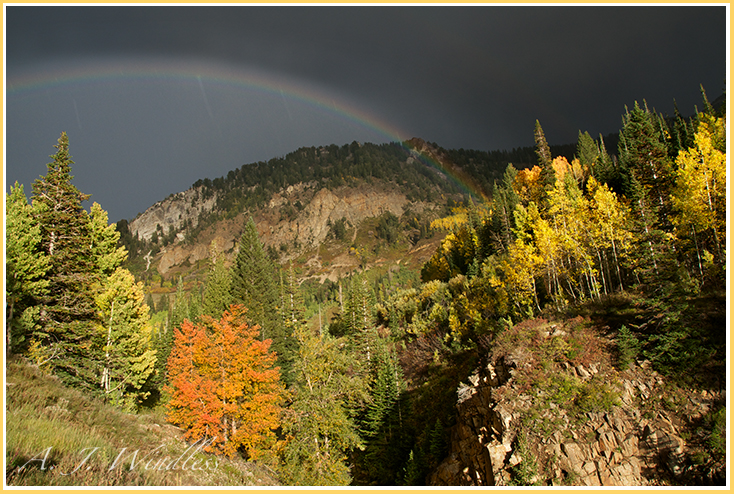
pixel 56 436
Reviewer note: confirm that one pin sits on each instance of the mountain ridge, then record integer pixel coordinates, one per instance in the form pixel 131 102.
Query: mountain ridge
pixel 297 201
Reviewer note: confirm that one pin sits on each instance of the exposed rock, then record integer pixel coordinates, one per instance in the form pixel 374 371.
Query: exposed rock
pixel 307 229
pixel 311 226
pixel 174 211
pixel 621 446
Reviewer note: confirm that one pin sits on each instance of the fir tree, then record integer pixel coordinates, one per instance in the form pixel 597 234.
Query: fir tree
pixel 545 160
pixel 180 309
pixel 604 170
pixel 68 313
pixel 360 317
pixel 587 151
pixel 217 294
pixel 506 200
pixel 293 319
pixel 643 157
pixel 253 283
pixel 647 179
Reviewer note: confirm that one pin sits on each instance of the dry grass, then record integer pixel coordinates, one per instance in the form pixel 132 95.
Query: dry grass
pixel 56 436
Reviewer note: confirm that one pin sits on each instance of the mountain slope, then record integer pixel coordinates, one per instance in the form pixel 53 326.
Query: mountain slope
pixel 313 197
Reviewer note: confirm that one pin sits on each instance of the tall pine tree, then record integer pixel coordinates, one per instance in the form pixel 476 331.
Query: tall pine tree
pixel 217 294
pixel 68 313
pixel 293 319
pixel 647 178
pixel 254 282
pixel 254 285
pixel 545 160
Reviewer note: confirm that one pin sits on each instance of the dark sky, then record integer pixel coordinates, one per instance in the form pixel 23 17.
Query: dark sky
pixel 154 98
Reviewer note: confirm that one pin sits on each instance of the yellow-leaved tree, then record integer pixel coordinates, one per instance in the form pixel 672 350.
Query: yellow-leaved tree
pixel 124 329
pixel 699 193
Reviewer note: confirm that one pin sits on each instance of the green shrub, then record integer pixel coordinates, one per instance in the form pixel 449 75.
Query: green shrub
pixel 628 346
pixel 595 396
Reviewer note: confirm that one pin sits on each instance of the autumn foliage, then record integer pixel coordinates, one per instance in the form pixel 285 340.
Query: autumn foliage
pixel 223 384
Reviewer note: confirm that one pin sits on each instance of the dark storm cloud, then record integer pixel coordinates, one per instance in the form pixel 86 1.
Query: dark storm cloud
pixel 471 77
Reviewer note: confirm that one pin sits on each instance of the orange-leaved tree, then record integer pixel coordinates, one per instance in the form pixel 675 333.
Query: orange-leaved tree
pixel 223 384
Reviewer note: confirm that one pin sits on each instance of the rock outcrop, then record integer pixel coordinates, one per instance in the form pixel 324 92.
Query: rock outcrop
pixel 174 212
pixel 504 423
pixel 311 226
pixel 307 228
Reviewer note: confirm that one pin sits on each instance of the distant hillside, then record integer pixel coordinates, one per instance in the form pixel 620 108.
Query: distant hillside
pixel 312 196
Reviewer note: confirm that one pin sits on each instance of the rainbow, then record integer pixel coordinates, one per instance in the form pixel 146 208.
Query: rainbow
pixel 199 73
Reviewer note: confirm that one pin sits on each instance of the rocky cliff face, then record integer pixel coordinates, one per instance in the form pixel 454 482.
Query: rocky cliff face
pixel 175 211
pixel 310 227
pixel 279 223
pixel 515 420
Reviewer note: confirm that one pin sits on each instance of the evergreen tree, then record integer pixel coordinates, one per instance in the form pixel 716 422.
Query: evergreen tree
pixel 178 312
pixel 254 285
pixel 293 319
pixel 382 422
pixel 643 157
pixel 542 150
pixel 545 160
pixel 360 317
pixel 162 342
pixel 587 151
pixel 217 294
pixel 505 200
pixel 180 309
pixel 647 179
pixel 26 266
pixel 196 302
pixel 68 313
pixel 681 133
pixel 604 170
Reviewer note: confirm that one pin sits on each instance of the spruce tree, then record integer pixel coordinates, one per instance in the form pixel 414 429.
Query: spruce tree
pixel 506 200
pixel 545 161
pixel 647 177
pixel 643 157
pixel 254 283
pixel 604 169
pixel 68 313
pixel 293 319
pixel 382 421
pixel 180 309
pixel 587 150
pixel 359 312
pixel 217 294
